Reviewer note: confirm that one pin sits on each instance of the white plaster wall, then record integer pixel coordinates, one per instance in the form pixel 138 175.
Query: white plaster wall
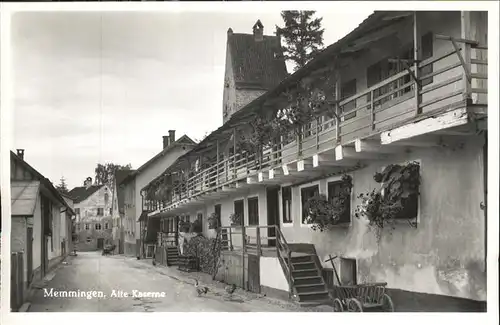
pixel 271 274
pixel 444 255
pixel 37 235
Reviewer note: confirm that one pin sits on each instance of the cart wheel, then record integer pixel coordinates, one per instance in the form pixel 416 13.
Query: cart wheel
pixel 354 306
pixel 387 304
pixel 337 306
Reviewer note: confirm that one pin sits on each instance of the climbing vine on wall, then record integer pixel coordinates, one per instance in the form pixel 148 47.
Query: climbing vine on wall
pixel 395 199
pixel 310 98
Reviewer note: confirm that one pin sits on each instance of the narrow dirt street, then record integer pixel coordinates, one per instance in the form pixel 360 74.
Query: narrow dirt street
pixel 93 272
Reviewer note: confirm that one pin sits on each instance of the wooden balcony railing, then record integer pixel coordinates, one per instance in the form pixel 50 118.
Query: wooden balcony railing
pixel 392 101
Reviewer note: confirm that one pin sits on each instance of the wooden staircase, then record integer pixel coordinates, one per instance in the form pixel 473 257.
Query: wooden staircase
pixel 172 256
pixel 308 285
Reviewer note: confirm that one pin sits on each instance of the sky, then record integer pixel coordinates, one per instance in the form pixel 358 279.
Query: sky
pixel 94 87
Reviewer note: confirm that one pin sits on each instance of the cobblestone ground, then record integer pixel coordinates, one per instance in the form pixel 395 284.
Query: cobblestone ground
pixel 90 271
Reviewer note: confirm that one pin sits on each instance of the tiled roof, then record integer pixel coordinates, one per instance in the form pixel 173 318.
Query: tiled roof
pixel 256 63
pixel 79 194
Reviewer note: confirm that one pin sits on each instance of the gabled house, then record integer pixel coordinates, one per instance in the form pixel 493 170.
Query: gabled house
pixel 118 209
pixel 93 208
pixel 172 149
pixel 398 114
pixel 38 226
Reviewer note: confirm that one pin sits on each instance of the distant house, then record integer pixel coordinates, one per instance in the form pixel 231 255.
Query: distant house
pixel 118 210
pixel 37 228
pixel 254 65
pixel 172 149
pixel 92 205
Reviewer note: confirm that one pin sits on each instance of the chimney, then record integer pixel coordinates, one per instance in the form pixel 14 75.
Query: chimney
pixel 171 135
pixel 88 183
pixel 166 141
pixel 229 32
pixel 258 31
pixel 20 153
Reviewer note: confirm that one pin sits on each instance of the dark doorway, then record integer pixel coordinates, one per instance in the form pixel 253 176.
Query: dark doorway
pixel 272 213
pixel 100 243
pixel 29 254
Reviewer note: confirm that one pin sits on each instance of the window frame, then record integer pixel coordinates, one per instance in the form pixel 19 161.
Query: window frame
pixel 96 226
pixel 250 221
pixel 87 226
pixel 336 180
pixel 282 206
pixel 242 200
pixel 100 212
pixel 301 188
pixel 415 221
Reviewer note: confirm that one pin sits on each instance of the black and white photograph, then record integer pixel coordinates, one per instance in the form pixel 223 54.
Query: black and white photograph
pixel 273 159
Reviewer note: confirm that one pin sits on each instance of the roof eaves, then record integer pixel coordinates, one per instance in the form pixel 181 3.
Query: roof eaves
pixel 45 181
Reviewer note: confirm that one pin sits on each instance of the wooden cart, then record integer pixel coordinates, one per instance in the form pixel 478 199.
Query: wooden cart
pixel 358 298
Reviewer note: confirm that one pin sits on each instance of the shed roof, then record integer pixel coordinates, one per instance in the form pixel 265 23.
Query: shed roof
pixel 24 195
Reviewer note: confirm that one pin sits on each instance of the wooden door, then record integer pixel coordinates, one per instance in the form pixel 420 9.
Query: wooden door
pixel 253 273
pixel 29 254
pixel 100 243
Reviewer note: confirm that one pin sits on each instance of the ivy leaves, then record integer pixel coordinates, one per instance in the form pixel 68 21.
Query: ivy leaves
pixel 399 190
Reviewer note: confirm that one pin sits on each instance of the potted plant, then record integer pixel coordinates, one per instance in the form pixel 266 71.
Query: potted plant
pixel 319 213
pixel 236 219
pixel 213 221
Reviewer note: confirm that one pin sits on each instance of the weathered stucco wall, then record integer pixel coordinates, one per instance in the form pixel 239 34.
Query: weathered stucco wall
pixel 37 235
pixel 129 226
pixel 444 254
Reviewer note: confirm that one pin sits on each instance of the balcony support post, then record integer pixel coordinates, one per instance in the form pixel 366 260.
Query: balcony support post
pixel 318 119
pixel 217 179
pixel 234 153
pixel 337 108
pixel 466 59
pixel 415 74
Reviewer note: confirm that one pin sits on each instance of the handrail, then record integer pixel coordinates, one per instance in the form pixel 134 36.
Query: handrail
pixel 242 164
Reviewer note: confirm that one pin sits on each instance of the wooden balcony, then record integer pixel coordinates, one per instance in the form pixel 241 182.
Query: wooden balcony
pixel 453 93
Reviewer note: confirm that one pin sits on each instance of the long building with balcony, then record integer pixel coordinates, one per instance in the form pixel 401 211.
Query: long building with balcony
pixel 402 121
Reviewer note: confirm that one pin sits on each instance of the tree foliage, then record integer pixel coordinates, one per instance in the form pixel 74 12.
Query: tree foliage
pixel 105 173
pixel 302 34
pixel 62 187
